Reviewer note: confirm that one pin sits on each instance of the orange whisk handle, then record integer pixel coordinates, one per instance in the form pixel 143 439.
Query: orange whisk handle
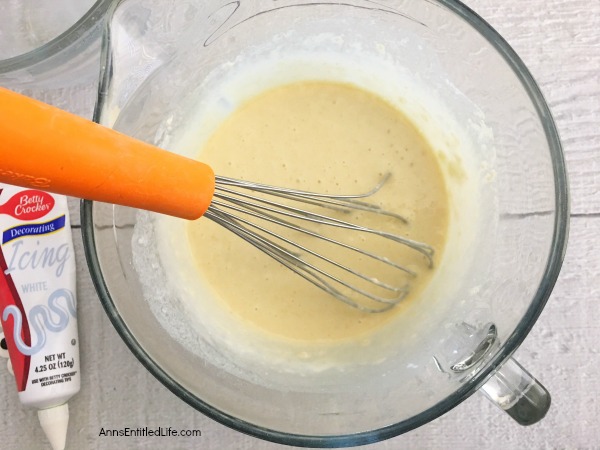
pixel 43 147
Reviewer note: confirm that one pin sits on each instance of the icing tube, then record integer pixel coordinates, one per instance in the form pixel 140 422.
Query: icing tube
pixel 38 304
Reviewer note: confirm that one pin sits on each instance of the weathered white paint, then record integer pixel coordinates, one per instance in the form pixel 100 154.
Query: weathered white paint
pixel 560 42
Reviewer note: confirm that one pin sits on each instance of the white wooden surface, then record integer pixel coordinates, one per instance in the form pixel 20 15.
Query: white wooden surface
pixel 559 40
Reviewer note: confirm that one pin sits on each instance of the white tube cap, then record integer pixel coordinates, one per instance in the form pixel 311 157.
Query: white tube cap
pixel 54 422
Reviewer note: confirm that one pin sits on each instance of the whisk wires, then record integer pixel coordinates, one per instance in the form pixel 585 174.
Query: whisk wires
pixel 264 216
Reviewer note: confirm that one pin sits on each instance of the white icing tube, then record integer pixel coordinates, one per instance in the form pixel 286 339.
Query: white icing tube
pixel 38 304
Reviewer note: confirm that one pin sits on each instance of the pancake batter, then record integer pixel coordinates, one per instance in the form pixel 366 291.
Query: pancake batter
pixel 332 138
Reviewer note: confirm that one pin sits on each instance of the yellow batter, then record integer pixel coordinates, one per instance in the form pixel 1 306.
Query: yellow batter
pixel 331 138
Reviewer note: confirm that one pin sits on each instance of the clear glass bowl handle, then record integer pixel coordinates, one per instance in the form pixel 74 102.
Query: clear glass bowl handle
pixel 511 388
pixel 516 392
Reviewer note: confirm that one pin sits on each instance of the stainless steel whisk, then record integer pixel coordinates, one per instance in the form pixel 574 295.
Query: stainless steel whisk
pixel 62 153
pixel 242 208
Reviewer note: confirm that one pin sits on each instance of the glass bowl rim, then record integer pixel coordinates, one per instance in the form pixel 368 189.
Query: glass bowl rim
pixel 67 38
pixel 551 272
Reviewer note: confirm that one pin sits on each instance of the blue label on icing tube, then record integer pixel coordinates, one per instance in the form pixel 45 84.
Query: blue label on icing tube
pixel 33 229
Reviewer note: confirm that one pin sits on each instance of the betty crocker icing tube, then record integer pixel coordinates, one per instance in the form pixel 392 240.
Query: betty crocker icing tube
pixel 38 305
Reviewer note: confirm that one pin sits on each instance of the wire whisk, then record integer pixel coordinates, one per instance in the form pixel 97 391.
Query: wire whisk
pixel 82 159
pixel 263 215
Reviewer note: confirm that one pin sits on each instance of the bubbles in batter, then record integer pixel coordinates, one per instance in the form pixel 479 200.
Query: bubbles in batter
pixel 325 137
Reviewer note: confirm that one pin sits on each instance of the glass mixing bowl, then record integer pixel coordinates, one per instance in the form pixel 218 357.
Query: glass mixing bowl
pixel 50 44
pixel 160 58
